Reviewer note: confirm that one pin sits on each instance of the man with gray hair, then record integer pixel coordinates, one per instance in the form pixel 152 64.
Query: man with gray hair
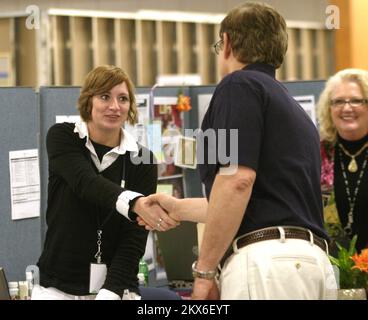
pixel 264 223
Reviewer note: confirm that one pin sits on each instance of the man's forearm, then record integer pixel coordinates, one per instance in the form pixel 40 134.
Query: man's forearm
pixel 192 209
pixel 225 213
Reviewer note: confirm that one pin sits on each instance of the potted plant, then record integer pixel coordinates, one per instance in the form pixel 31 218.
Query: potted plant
pixel 353 271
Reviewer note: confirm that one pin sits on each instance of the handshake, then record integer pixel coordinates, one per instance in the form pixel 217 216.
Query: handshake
pixel 158 212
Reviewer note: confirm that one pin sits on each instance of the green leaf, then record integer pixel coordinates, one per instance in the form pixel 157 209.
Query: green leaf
pixel 349 278
pixel 339 246
pixel 334 261
pixel 352 249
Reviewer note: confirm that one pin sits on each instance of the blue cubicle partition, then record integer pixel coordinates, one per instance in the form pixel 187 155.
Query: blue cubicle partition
pixel 303 88
pixel 20 241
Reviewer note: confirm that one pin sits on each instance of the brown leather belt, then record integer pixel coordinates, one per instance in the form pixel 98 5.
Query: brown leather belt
pixel 276 233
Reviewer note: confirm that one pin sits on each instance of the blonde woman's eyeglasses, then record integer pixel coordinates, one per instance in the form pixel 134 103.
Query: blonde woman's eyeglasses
pixel 354 103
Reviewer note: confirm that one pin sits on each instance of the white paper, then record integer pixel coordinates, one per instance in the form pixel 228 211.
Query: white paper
pixel 142 102
pixel 138 131
pixel 165 100
pixel 24 184
pixel 185 155
pixel 203 103
pixel 309 106
pixel 148 253
pixel 154 140
pixel 72 119
pixel 97 277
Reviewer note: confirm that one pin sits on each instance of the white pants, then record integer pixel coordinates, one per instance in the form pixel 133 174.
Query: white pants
pixel 41 293
pixel 271 269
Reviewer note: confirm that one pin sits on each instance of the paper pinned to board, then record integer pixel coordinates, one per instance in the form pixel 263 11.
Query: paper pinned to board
pixel 203 103
pixel 139 130
pixel 309 106
pixel 24 184
pixel 185 155
pixel 154 140
pixel 165 188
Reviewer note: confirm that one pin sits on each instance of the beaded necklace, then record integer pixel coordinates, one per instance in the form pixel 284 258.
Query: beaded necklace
pixel 348 227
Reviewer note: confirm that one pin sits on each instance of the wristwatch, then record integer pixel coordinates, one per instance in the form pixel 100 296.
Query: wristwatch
pixel 209 275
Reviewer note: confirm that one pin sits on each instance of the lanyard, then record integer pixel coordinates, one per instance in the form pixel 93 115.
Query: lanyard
pixel 100 225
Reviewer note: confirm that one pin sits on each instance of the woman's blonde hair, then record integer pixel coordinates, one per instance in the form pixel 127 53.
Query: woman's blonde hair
pixel 101 80
pixel 327 128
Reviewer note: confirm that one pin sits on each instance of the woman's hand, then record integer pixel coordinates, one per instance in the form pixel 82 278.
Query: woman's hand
pixel 152 216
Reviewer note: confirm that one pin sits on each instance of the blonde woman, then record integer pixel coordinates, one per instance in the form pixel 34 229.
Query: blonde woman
pixel 343 119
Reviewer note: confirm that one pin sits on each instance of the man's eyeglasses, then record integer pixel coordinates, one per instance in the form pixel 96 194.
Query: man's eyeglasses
pixel 218 46
pixel 339 103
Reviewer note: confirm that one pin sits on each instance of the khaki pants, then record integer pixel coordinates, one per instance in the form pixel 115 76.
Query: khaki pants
pixel 271 269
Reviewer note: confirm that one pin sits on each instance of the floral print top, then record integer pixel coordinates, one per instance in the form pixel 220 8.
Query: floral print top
pixel 331 217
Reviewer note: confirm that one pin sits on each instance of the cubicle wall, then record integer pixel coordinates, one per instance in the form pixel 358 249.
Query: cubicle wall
pixel 296 88
pixel 301 88
pixel 26 117
pixel 20 241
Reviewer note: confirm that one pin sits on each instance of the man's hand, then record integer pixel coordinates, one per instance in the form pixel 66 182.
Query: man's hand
pixel 204 289
pixel 152 216
pixel 168 203
pixel 188 209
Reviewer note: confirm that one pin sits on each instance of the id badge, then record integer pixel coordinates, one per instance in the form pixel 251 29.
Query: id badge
pixel 122 184
pixel 97 277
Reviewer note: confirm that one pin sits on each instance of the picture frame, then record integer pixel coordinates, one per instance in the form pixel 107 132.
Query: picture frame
pixel 185 155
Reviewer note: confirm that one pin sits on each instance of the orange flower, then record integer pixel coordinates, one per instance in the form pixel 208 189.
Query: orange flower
pixel 183 103
pixel 361 261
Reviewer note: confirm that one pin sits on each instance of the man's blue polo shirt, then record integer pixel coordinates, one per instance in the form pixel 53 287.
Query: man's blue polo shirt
pixel 278 140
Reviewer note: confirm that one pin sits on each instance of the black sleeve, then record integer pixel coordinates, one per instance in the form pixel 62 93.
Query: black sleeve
pixel 122 273
pixel 145 179
pixel 239 106
pixel 69 159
